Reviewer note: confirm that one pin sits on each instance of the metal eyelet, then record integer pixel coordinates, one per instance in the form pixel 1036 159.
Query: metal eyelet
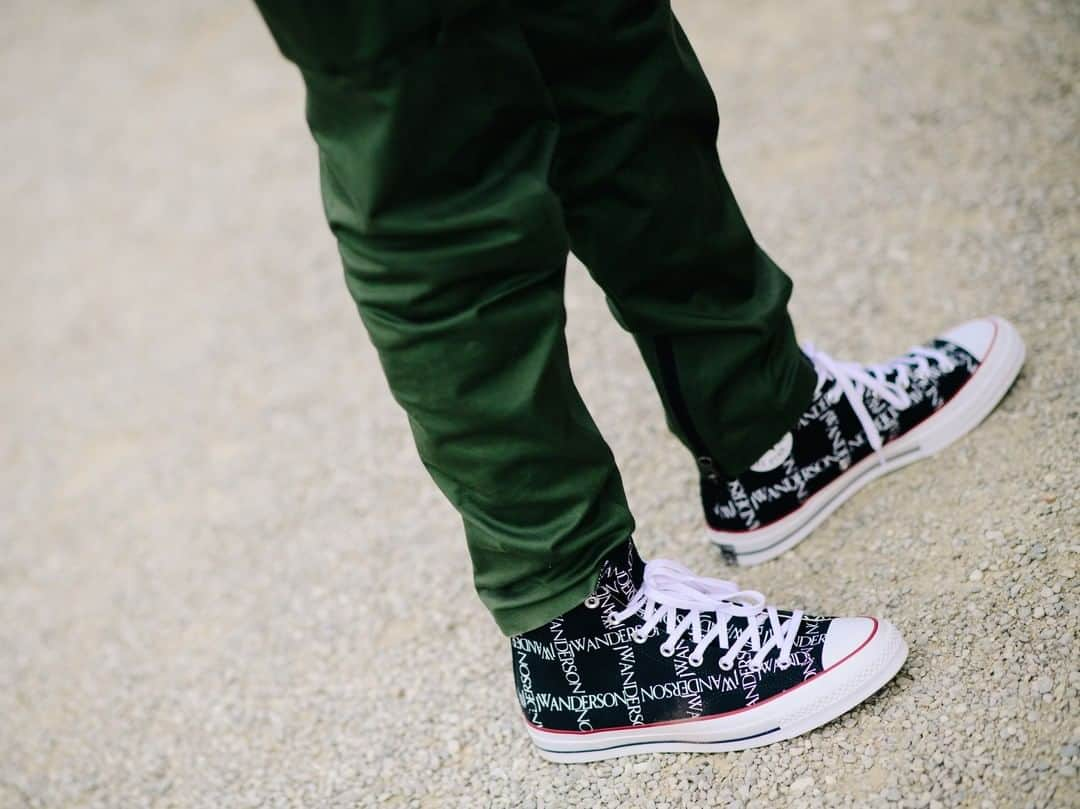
pixel 638 637
pixel 592 602
pixel 695 660
pixel 667 651
pixel 783 663
pixel 726 665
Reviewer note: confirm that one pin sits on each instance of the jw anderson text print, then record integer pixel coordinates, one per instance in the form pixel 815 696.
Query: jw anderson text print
pixel 864 421
pixel 657 659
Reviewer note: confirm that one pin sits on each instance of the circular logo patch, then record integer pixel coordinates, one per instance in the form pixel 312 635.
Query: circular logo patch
pixel 775 456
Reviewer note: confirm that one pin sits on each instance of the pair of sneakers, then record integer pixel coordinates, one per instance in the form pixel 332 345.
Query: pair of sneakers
pixel 658 659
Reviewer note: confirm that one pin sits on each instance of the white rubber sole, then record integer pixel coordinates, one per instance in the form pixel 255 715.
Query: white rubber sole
pixel 973 403
pixel 798 710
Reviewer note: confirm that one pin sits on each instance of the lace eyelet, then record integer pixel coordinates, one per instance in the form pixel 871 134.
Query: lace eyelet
pixel 695 660
pixel 667 651
pixel 726 665
pixel 638 637
pixel 783 663
pixel 592 602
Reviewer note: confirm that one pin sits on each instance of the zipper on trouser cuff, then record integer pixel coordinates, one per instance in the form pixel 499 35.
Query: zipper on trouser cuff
pixel 705 464
pixel 669 376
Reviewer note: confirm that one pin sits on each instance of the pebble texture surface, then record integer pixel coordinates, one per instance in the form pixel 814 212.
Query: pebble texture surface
pixel 225 580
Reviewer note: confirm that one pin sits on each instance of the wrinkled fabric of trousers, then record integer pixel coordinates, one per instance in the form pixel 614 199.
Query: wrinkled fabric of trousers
pixel 465 146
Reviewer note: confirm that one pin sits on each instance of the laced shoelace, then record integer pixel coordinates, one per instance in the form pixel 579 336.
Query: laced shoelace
pixel 853 379
pixel 669 589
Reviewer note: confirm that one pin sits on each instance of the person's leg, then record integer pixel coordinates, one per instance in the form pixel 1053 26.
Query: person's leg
pixel 435 138
pixel 783 437
pixel 651 215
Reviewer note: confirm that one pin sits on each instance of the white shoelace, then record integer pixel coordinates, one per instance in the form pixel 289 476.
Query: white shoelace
pixel 853 379
pixel 668 588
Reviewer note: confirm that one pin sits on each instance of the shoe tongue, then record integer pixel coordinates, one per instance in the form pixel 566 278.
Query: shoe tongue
pixel 621 572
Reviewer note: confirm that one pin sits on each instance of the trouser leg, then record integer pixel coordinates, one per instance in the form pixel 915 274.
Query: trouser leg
pixel 651 215
pixel 435 137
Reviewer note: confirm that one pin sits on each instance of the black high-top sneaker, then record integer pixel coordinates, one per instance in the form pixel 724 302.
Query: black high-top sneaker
pixel 660 660
pixel 864 421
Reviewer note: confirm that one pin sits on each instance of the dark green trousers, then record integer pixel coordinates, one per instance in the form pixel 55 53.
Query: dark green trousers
pixel 465 146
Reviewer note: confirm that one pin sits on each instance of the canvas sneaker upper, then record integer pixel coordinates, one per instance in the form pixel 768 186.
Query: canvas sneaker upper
pixel 655 645
pixel 857 410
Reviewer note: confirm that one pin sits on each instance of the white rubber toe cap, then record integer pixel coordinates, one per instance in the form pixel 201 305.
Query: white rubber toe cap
pixel 845 635
pixel 975 336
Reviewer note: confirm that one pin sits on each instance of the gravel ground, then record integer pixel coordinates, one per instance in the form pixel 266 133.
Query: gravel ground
pixel 224 578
